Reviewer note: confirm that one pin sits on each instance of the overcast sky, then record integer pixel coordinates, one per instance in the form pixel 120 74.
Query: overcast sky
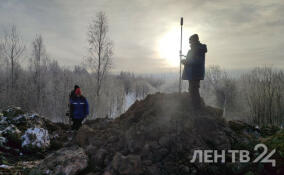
pixel 146 33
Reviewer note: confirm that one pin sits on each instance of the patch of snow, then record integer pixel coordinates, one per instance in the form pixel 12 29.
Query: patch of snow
pixel 5 166
pixel 19 117
pixel 36 137
pixel 32 116
pixel 3 120
pixel 2 140
pixel 11 129
pixel 129 100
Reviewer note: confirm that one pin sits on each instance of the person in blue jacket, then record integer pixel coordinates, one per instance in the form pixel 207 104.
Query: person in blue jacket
pixel 194 67
pixel 79 108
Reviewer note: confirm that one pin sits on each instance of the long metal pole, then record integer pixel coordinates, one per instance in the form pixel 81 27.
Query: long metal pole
pixel 180 54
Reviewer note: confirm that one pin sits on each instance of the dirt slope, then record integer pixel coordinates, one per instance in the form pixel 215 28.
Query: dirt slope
pixel 158 135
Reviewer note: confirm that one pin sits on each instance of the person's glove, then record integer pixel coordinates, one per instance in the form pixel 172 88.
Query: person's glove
pixel 183 61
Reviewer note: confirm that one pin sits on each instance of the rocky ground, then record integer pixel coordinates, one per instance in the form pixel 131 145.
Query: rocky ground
pixel 26 138
pixel 156 136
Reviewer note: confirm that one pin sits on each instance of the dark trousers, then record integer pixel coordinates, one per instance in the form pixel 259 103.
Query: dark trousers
pixel 77 123
pixel 193 88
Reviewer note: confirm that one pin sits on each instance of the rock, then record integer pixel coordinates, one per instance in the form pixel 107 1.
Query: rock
pixel 35 138
pixel 92 174
pixel 68 161
pixel 126 165
pixel 147 162
pixel 164 140
pixel 152 170
pixel 160 154
pixel 3 120
pixel 12 112
pixel 83 135
pixel 13 135
pixel 99 157
pixel 107 173
pixel 29 164
pixel 19 120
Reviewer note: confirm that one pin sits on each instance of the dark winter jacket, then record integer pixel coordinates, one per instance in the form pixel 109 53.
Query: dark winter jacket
pixel 79 107
pixel 194 68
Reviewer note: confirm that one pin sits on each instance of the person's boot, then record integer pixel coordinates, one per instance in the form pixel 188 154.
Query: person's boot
pixel 196 99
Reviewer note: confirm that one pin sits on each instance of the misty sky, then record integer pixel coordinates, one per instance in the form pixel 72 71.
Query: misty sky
pixel 146 33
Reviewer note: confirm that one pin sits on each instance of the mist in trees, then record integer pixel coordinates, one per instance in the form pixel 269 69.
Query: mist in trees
pixel 263 90
pixel 222 86
pixel 43 85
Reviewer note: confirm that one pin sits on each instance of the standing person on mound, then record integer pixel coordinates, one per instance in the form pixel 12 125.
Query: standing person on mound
pixel 71 95
pixel 194 68
pixel 79 108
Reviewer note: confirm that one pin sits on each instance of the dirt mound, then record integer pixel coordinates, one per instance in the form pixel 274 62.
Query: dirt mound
pixel 156 136
pixel 27 137
pixel 161 132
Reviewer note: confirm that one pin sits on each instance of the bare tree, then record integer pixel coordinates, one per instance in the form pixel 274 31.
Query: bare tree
pixel 13 48
pixel 100 49
pixel 263 92
pixel 38 54
pixel 223 86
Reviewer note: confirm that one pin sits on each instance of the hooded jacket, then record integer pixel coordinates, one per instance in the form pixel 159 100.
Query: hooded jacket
pixel 194 69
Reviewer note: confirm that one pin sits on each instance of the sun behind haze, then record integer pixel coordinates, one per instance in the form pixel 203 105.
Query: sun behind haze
pixel 169 45
pixel 146 33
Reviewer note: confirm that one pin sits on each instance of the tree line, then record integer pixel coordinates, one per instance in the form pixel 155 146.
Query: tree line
pixel 43 86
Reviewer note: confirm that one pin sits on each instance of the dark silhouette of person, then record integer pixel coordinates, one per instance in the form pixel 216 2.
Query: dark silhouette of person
pixel 194 68
pixel 79 108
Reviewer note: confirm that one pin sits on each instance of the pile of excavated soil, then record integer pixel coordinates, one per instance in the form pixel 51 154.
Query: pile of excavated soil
pixel 157 135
